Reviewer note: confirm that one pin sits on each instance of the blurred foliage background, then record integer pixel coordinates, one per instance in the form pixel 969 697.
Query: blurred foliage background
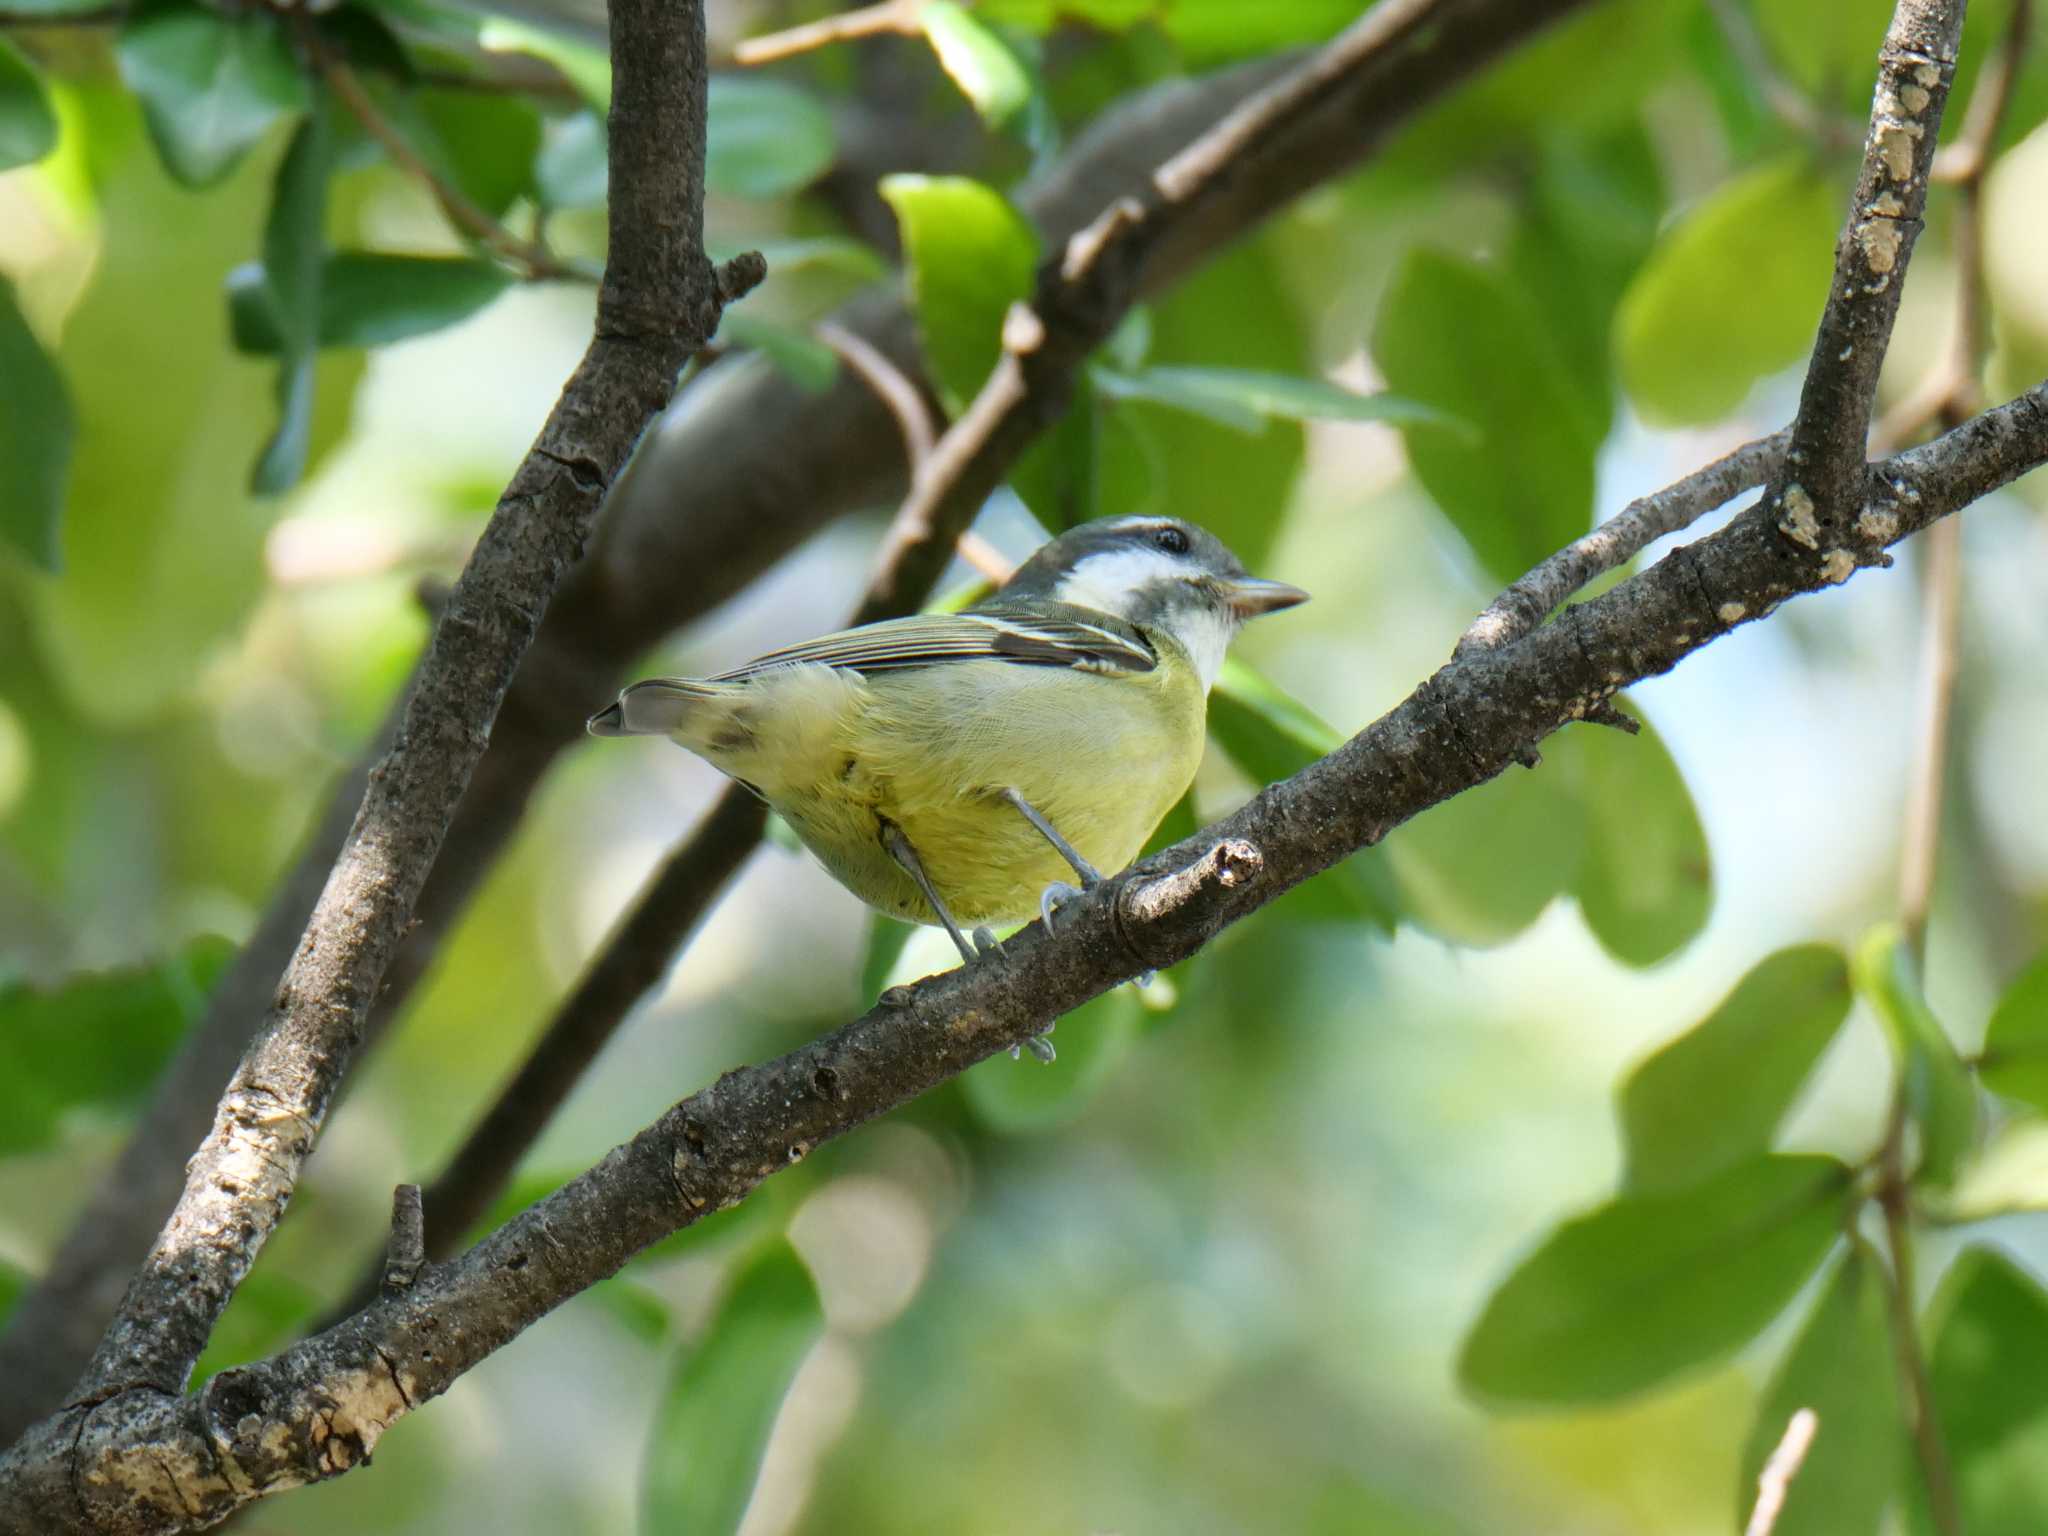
pixel 1296 1239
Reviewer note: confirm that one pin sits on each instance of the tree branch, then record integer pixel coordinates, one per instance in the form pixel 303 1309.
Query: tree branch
pixel 758 466
pixel 144 1462
pixel 660 301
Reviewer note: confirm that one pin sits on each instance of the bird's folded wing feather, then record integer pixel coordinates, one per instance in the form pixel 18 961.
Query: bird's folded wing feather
pixel 1096 643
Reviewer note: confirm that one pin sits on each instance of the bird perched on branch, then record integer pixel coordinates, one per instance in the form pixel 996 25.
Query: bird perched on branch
pixel 957 768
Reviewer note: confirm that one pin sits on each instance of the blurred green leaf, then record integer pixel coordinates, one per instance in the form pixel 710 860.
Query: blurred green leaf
pixel 267 1312
pixel 1270 737
pixel 1841 1367
pixel 1449 864
pixel 642 1313
pixel 766 138
pixel 1245 399
pixel 1825 47
pixel 1059 477
pixel 807 361
pixel 2015 1058
pixel 573 168
pixel 586 67
pixel 484 143
pixel 836 253
pixel 1209 31
pixel 96 1040
pixel 886 938
pixel 1940 1098
pixel 28 128
pixel 1041 15
pixel 1455 335
pixel 365 41
pixel 12 1283
pixel 1652 1284
pixel 1026 1095
pixel 1646 883
pixel 980 63
pixel 1731 293
pixel 367 299
pixel 712 1427
pixel 211 85
pixel 971 256
pixel 1715 1095
pixel 37 432
pixel 1989 1370
pixel 294 262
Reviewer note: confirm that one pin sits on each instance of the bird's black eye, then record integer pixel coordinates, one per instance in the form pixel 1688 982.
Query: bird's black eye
pixel 1171 539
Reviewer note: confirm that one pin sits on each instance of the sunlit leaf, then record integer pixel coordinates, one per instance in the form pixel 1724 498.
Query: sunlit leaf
pixel 1650 1285
pixel 980 63
pixel 1212 30
pixel 1715 1095
pixel 1449 867
pixel 97 1040
pixel 1989 1369
pixel 28 128
pixel 2015 1059
pixel 1445 328
pixel 37 431
pixel 587 68
pixel 211 84
pixel 1646 883
pixel 712 1427
pixel 1027 1095
pixel 971 256
pixel 1940 1098
pixel 766 137
pixel 1731 293
pixel 1842 1369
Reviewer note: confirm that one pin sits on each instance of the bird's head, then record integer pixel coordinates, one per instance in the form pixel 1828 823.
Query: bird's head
pixel 1158 572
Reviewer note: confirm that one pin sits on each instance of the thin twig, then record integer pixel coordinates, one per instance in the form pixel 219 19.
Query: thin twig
pixel 1894 1198
pixel 891 16
pixel 892 386
pixel 1940 649
pixel 1775 1481
pixel 1792 106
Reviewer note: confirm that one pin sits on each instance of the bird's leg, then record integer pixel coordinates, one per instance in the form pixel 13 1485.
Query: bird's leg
pixel 1059 890
pixel 901 851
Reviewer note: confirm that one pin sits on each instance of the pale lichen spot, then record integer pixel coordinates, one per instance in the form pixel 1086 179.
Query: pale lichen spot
pixel 1730 613
pixel 1799 523
pixel 1887 205
pixel 1880 240
pixel 1928 73
pixel 1895 143
pixel 1837 566
pixel 1913 98
pixel 1879 525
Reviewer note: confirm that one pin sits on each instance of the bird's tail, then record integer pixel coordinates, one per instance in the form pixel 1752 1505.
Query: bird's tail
pixel 657 707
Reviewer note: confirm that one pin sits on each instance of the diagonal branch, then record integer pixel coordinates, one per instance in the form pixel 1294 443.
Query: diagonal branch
pixel 660 301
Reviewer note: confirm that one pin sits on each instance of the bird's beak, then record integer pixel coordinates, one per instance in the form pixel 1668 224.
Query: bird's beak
pixel 1250 596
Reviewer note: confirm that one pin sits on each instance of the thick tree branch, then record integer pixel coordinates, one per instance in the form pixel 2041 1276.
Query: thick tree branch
pixel 660 301
pixel 144 1462
pixel 742 470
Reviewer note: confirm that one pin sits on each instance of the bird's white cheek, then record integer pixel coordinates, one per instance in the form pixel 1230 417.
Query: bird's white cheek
pixel 1207 636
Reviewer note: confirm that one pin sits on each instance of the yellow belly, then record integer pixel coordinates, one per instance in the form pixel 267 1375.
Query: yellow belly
pixel 1104 758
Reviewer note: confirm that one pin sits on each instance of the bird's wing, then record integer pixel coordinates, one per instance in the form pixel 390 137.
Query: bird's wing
pixel 1097 643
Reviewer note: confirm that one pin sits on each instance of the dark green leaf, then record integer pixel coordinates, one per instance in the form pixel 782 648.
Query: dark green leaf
pixel 484 143
pixel 1059 476
pixel 12 1283
pixel 1940 1098
pixel 971 257
pixel 1027 1095
pixel 573 168
pixel 1714 1096
pixel 211 85
pixel 809 363
pixel 766 138
pixel 97 1040
pixel 1651 1285
pixel 370 299
pixel 366 41
pixel 28 128
pixel 1731 293
pixel 1448 864
pixel 283 461
pixel 1447 331
pixel 37 431
pixel 1646 883
pixel 2015 1059
pixel 1271 736
pixel 712 1427
pixel 294 262
pixel 1989 1371
pixel 980 63
pixel 1841 1368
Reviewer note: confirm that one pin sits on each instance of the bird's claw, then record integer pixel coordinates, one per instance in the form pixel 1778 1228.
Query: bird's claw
pixel 1050 898
pixel 985 942
pixel 1039 1046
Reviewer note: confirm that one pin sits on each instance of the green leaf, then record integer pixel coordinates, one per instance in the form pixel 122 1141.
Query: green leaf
pixel 1448 865
pixel 1940 1098
pixel 1455 335
pixel 211 85
pixel 1714 1096
pixel 2015 1058
pixel 1646 883
pixel 37 432
pixel 712 1427
pixel 573 169
pixel 371 299
pixel 1271 736
pixel 12 1283
pixel 1841 1368
pixel 28 128
pixel 484 143
pixel 587 68
pixel 1989 1368
pixel 1025 1096
pixel 1654 1284
pixel 294 263
pixel 1209 31
pixel 766 138
pixel 1245 399
pixel 980 63
pixel 971 256
pixel 1059 477
pixel 268 1311
pixel 96 1040
pixel 1731 293
pixel 809 363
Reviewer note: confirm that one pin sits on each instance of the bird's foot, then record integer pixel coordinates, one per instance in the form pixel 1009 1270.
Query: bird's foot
pixel 1052 896
pixel 985 941
pixel 1039 1046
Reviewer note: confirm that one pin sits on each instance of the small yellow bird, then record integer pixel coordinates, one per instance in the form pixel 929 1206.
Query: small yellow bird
pixel 954 768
